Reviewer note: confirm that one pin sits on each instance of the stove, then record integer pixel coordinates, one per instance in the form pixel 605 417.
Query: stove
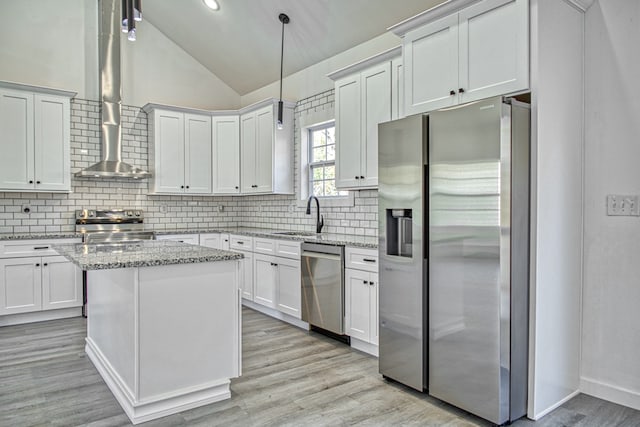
pixel 112 225
pixel 111 228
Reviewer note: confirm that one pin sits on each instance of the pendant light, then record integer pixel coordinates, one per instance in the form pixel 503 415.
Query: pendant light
pixel 131 13
pixel 285 20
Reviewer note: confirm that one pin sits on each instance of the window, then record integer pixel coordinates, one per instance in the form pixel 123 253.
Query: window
pixel 322 161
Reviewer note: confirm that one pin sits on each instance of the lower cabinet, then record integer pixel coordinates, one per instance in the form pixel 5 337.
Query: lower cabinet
pixel 246 280
pixel 277 283
pixel 361 302
pixel 265 284
pixel 38 283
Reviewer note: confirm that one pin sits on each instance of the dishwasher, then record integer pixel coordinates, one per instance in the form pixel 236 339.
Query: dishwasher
pixel 322 274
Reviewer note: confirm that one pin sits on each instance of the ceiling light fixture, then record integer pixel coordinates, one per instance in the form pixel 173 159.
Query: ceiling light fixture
pixel 285 20
pixel 131 13
pixel 211 4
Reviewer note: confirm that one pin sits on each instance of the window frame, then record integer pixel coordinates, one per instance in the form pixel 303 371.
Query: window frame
pixel 321 163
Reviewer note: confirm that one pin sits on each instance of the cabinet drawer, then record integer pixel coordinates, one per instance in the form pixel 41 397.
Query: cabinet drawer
pixel 264 246
pixel 243 243
pixel 192 239
pixel 361 259
pixel 27 248
pixel 288 249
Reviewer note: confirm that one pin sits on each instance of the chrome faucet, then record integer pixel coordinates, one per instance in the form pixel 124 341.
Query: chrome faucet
pixel 319 218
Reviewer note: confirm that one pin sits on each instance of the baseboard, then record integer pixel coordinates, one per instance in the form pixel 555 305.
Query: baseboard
pixel 556 405
pixel 140 412
pixel 364 346
pixel 610 392
pixel 276 314
pixel 40 316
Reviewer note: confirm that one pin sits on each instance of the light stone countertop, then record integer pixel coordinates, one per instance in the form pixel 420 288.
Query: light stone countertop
pixel 146 253
pixel 324 238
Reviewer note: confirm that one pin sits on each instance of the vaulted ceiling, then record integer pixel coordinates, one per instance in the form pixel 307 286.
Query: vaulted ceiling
pixel 240 43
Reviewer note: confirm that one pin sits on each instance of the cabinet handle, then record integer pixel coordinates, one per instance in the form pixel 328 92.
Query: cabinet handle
pixel 182 186
pixel 237 187
pixel 361 177
pixel 461 90
pixel 357 177
pixel 45 264
pixel 365 282
pixel 368 260
pixel 452 92
pixel 187 186
pixel 37 182
pixel 226 240
pixel 37 248
pixel 38 265
pixel 240 243
pixel 31 182
pixel 371 283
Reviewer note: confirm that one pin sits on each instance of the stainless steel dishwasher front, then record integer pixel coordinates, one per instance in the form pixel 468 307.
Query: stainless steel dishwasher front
pixel 323 286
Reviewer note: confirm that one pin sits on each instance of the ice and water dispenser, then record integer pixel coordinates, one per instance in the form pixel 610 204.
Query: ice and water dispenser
pixel 399 232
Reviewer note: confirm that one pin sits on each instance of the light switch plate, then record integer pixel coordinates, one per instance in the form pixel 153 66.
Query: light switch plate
pixel 622 205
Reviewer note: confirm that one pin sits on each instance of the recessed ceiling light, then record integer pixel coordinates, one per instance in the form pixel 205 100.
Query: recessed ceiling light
pixel 211 4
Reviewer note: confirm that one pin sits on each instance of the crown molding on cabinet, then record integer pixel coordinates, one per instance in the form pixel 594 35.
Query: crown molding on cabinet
pixel 37 89
pixel 366 63
pixel 430 15
pixel 583 5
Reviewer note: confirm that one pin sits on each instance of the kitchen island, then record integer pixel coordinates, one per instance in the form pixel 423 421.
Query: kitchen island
pixel 163 325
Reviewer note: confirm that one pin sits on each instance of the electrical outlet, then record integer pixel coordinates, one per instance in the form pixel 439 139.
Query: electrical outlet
pixel 220 208
pixel 622 205
pixel 291 208
pixel 163 209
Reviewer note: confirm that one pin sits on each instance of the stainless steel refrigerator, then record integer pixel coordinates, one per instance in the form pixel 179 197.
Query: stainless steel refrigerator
pixel 454 239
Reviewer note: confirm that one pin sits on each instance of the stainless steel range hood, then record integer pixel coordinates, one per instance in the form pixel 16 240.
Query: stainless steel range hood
pixel 111 165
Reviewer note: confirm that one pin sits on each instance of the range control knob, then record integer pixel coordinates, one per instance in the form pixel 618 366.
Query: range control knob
pixel 138 213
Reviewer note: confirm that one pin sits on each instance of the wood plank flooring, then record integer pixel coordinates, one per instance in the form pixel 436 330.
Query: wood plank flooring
pixel 290 378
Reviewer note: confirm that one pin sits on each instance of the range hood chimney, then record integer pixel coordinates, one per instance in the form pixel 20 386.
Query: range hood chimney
pixel 111 165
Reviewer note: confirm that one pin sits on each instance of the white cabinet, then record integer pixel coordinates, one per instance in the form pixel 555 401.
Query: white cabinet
pixel 266 153
pixel 215 240
pixel 243 245
pixel 361 296
pixel 226 154
pixel 277 283
pixel 192 239
pixel 30 282
pixel 364 98
pixel 180 151
pixel 397 89
pixel 478 52
pixel 265 284
pixel 35 148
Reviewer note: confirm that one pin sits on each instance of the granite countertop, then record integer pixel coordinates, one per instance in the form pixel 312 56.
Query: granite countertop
pixel 140 254
pixel 304 236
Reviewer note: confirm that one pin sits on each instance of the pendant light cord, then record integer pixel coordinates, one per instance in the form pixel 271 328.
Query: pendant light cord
pixel 285 20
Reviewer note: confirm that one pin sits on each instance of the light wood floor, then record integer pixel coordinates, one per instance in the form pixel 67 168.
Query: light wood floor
pixel 290 377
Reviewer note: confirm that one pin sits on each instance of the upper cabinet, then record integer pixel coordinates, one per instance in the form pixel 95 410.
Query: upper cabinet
pixel 364 98
pixel 35 133
pixel 453 55
pixel 266 152
pixel 180 151
pixel 226 154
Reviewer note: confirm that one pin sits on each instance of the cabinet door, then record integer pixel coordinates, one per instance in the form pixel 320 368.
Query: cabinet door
pixel 197 149
pixel 61 283
pixel 373 308
pixel 376 108
pixel 20 285
pixel 212 240
pixel 264 269
pixel 348 132
pixel 226 155
pixel 357 303
pixel 430 55
pixel 264 150
pixel 494 49
pixel 16 140
pixel 247 281
pixel 397 89
pixel 52 143
pixel 248 152
pixel 169 152
pixel 288 287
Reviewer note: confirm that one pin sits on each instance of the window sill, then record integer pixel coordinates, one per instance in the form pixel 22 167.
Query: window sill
pixel 331 202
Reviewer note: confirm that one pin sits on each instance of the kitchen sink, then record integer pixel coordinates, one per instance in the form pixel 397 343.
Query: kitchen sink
pixel 295 233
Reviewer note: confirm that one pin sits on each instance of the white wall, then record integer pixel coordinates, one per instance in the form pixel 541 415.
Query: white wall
pixel 611 330
pixel 55 43
pixel 50 43
pixel 557 156
pixel 313 80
